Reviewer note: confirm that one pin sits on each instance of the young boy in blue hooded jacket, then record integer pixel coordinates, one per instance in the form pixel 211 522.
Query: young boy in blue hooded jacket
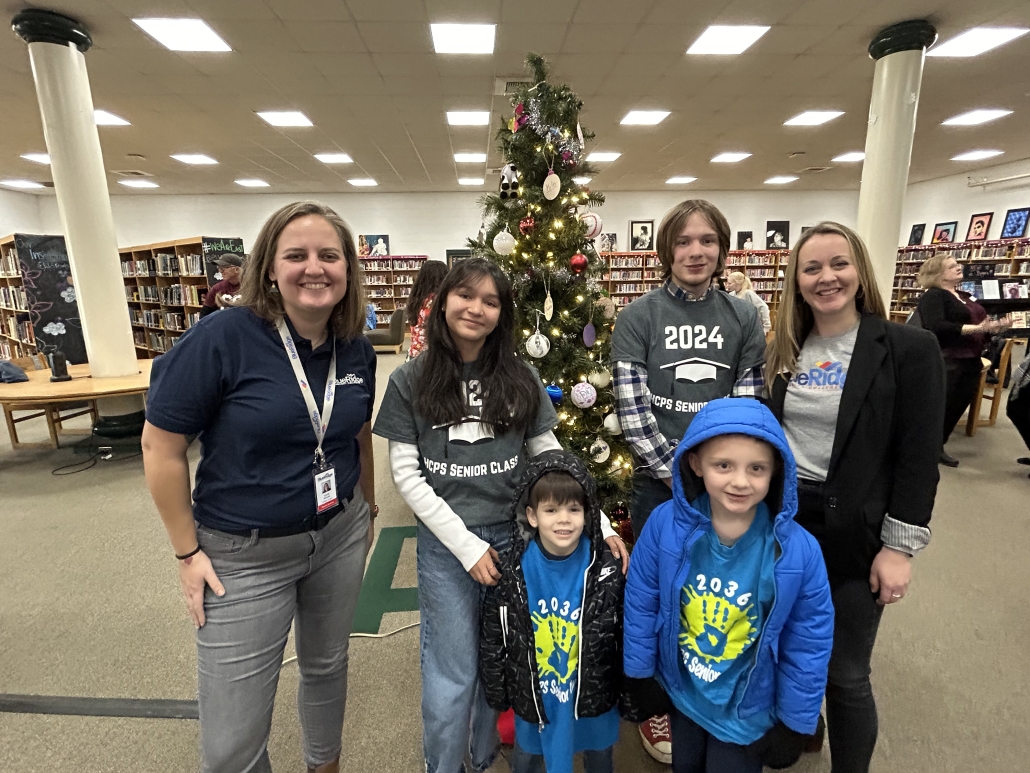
pixel 727 606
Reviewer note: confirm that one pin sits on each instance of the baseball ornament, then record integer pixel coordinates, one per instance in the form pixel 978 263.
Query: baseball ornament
pixel 592 222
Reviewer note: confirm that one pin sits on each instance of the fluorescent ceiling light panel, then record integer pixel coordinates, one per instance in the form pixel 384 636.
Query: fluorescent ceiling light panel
pixel 193 158
pixel 138 184
pixel 602 157
pixel 468 117
pixel 363 182
pixel 679 180
pixel 972 118
pixel 977 40
pixel 813 117
pixel 644 117
pixel 581 180
pixel 334 158
pixel 730 158
pixel 852 157
pixel 470 158
pixel 20 184
pixel 285 118
pixel 183 34
pixel 39 158
pixel 781 179
pixel 252 183
pixel 463 38
pixel 471 181
pixel 724 39
pixel 104 118
pixel 977 155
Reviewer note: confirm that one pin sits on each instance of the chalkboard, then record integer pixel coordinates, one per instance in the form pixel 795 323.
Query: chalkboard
pixel 50 293
pixel 978 271
pixel 214 248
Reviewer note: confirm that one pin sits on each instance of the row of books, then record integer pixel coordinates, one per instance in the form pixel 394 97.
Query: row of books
pixel 627 262
pixel 142 294
pixel 767 285
pixel 408 264
pixel 634 288
pixel 616 276
pixel 179 265
pixel 141 267
pixel 379 292
pixel 20 329
pixel 752 260
pixel 375 279
pixel 377 265
pixel 13 298
pixel 182 295
pixel 9 264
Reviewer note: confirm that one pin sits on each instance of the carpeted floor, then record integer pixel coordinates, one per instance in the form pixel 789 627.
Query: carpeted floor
pixel 90 606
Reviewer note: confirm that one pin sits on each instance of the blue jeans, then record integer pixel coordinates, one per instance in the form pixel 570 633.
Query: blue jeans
pixel 309 580
pixel 455 716
pixel 695 750
pixel 647 494
pixel 600 761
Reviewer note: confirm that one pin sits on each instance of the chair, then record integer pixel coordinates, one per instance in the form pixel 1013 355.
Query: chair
pixel 973 421
pixel 52 412
pixel 393 336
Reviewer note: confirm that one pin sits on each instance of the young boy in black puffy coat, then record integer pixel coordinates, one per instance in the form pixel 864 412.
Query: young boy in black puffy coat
pixel 551 644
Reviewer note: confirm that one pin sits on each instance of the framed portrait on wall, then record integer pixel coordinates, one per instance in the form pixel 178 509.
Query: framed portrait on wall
pixel 456 256
pixel 915 236
pixel 373 245
pixel 979 225
pixel 1015 223
pixel 641 235
pixel 777 234
pixel 745 240
pixel 944 232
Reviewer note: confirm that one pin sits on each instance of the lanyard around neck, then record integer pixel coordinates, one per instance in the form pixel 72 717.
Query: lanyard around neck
pixel 319 420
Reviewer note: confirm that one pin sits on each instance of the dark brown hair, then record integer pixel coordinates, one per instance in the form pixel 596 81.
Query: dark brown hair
pixel 559 488
pixel 672 225
pixel 427 282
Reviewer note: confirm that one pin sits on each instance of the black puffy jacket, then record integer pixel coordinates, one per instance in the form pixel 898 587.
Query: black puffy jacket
pixel 507 651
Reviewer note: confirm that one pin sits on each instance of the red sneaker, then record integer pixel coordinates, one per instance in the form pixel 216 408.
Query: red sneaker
pixel 657 738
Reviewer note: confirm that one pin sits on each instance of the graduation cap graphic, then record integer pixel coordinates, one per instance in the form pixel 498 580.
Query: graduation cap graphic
pixel 696 369
pixel 470 431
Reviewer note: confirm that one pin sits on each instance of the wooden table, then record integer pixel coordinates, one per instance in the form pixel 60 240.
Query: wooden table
pixel 40 393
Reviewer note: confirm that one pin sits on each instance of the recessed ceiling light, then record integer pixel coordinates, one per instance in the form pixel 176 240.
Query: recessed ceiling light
pixel 463 38
pixel 104 118
pixel 977 155
pixel 471 181
pixel 679 180
pixel 851 157
pixel 645 117
pixel 724 39
pixel 977 40
pixel 183 34
pixel 138 184
pixel 252 183
pixel 363 182
pixel 468 117
pixel 285 118
pixel 730 158
pixel 334 158
pixel 20 184
pixel 193 158
pixel 602 158
pixel 581 180
pixel 813 117
pixel 782 179
pixel 470 158
pixel 39 158
pixel 976 117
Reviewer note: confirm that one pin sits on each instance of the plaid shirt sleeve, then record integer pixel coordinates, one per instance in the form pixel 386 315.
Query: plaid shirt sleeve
pixel 750 384
pixel 633 405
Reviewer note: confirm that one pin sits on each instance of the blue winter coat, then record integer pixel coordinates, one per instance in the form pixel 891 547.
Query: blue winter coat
pixel 793 649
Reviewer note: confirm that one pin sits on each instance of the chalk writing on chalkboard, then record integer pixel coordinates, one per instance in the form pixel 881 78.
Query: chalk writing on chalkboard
pixel 978 271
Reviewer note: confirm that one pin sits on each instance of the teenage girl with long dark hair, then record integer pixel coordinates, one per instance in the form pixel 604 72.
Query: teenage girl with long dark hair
pixel 462 420
pixel 420 302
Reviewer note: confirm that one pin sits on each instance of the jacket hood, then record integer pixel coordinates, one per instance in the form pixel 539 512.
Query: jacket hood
pixel 557 461
pixel 737 416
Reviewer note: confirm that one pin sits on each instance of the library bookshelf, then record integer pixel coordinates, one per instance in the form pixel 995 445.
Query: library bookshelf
pixel 388 282
pixel 17 338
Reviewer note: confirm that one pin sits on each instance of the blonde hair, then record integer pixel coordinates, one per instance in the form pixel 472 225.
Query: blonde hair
pixel 794 319
pixel 259 295
pixel 932 271
pixel 742 278
pixel 673 223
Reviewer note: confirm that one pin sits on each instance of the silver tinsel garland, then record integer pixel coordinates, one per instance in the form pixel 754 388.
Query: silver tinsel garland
pixel 553 134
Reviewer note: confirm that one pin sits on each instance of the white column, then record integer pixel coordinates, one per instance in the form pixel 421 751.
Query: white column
pixel 899 52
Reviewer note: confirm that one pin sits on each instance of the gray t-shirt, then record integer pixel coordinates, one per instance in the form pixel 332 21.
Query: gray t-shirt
pixel 694 351
pixel 812 401
pixel 473 470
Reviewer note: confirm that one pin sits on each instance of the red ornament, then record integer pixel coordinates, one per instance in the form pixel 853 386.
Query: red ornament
pixel 527 224
pixel 578 262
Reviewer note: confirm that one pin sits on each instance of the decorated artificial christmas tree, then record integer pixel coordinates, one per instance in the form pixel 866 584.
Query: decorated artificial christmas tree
pixel 540 231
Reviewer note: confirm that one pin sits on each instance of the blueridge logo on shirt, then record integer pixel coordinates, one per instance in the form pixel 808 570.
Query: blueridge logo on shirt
pixel 825 375
pixel 349 379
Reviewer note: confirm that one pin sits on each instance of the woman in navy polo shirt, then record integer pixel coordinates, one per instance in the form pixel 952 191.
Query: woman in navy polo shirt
pixel 280 391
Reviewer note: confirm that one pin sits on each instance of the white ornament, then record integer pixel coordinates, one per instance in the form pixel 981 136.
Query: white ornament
pixel 600 378
pixel 537 345
pixel 600 451
pixel 552 186
pixel 593 224
pixel 611 423
pixel 548 306
pixel 583 395
pixel 504 243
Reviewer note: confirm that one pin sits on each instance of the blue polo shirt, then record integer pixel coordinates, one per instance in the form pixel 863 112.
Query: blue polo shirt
pixel 229 380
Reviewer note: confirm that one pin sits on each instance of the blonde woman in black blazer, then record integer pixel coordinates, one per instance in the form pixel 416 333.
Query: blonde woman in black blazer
pixel 861 401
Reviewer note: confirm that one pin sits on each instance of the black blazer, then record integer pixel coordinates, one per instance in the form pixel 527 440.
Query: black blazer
pixel 887 442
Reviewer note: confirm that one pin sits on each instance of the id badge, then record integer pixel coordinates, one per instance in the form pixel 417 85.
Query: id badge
pixel 325 488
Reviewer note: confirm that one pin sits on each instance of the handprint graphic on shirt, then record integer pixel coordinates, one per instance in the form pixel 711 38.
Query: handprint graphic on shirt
pixel 715 628
pixel 556 651
pixel 712 640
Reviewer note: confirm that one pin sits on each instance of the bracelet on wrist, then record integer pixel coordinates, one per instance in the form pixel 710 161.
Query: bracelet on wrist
pixel 192 553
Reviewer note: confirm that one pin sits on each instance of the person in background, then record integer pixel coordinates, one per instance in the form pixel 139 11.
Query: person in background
pixel 962 329
pixel 230 267
pixel 371 321
pixel 423 291
pixel 739 285
pixel 861 401
pixel 281 519
pixel 1018 406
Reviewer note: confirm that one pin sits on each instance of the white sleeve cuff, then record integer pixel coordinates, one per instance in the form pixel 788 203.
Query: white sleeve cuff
pixel 545 442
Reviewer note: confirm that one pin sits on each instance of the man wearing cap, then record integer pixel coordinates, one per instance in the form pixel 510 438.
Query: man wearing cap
pixel 231 268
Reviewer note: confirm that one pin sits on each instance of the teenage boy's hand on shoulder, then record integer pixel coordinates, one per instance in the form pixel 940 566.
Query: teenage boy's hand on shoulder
pixel 619 550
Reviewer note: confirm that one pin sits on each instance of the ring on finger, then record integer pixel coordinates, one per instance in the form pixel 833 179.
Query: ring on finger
pixel 896 596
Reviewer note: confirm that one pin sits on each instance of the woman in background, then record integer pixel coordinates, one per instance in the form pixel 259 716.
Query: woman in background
pixel 738 284
pixel 421 301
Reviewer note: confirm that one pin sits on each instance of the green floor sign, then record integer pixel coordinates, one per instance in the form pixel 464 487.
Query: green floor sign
pixel 377 596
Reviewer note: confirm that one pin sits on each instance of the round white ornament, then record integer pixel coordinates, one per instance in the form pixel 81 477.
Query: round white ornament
pixel 583 395
pixel 593 224
pixel 552 186
pixel 611 423
pixel 504 243
pixel 600 451
pixel 600 378
pixel 537 345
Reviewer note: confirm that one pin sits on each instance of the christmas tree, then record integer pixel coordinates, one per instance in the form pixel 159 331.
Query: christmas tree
pixel 539 230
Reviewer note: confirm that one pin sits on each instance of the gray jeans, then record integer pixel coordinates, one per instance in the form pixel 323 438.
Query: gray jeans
pixel 311 580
